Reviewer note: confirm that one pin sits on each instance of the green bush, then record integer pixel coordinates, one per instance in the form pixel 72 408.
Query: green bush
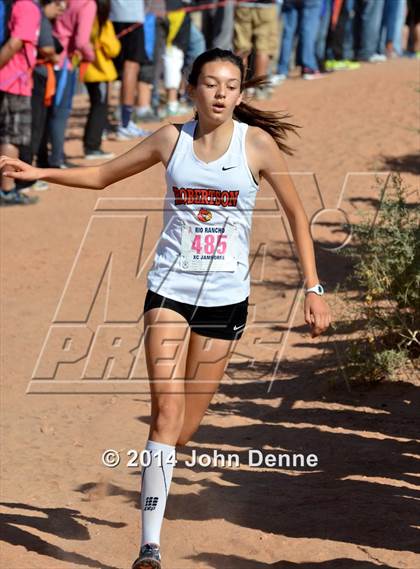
pixel 385 254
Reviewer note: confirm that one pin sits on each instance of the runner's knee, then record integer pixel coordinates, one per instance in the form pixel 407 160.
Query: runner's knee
pixel 168 415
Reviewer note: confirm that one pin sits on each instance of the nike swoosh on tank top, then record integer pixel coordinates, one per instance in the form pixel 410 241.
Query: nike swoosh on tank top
pixel 202 254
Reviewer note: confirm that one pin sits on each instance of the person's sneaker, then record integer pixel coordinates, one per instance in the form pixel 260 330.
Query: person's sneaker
pixel 39 186
pixel 146 116
pixel 149 557
pixel 278 79
pixel 334 65
pixel 341 65
pixel 351 65
pixel 123 133
pixel 170 111
pixel 64 165
pixel 13 197
pixel 137 131
pixel 262 93
pixel 250 92
pixel 377 58
pixel 131 131
pixel 185 108
pixel 310 74
pixel 98 154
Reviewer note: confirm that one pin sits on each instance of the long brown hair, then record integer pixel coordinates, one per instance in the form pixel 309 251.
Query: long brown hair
pixel 102 12
pixel 272 122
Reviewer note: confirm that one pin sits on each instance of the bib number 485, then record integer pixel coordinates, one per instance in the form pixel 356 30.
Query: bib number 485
pixel 212 244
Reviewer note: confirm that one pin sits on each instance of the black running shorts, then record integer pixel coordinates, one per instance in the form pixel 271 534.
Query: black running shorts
pixel 226 322
pixel 132 44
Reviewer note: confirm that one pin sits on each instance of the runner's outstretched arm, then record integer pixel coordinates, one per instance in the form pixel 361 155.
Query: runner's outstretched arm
pixel 145 154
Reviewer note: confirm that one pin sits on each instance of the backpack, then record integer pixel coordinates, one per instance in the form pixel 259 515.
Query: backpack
pixel 5 9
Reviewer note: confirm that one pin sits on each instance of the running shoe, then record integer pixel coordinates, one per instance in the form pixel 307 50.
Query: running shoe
pixel 64 165
pixel 341 65
pixel 185 107
pixel 39 186
pixel 170 111
pixel 335 65
pixel 250 92
pixel 14 197
pixel 263 93
pixel 311 74
pixel 131 131
pixel 98 154
pixel 278 79
pixel 146 116
pixel 377 58
pixel 149 557
pixel 132 127
pixel 351 65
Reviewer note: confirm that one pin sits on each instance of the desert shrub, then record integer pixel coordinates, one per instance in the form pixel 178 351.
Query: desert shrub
pixel 383 289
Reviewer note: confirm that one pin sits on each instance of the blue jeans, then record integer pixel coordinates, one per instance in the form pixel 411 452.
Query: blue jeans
pixel 196 44
pixel 55 131
pixel 369 18
pixel 217 25
pixel 321 48
pixel 399 24
pixel 340 42
pixel 306 14
pixel 388 24
pixel 346 22
pixel 348 32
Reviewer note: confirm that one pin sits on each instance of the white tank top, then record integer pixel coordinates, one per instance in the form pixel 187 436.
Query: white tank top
pixel 202 254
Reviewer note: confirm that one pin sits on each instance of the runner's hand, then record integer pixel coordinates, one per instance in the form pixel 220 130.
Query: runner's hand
pixel 14 168
pixel 317 313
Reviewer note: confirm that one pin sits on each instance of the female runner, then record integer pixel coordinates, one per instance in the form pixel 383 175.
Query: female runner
pixel 199 283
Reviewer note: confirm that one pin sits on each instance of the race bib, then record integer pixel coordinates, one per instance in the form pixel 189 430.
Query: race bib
pixel 208 247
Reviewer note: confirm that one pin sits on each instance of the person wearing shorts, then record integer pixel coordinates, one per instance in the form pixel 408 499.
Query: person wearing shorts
pixel 256 27
pixel 128 18
pixel 199 283
pixel 17 61
pixel 226 322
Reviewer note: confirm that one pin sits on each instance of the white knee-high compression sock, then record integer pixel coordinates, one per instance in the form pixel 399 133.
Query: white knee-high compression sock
pixel 156 479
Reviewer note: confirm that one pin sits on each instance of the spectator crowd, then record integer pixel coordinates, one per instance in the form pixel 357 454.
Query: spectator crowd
pixel 139 52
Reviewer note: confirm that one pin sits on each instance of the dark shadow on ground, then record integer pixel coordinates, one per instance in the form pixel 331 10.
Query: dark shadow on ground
pixel 371 435
pixel 219 561
pixel 61 522
pixel 408 163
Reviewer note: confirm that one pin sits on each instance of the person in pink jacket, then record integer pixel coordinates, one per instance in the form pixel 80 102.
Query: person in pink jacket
pixel 72 29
